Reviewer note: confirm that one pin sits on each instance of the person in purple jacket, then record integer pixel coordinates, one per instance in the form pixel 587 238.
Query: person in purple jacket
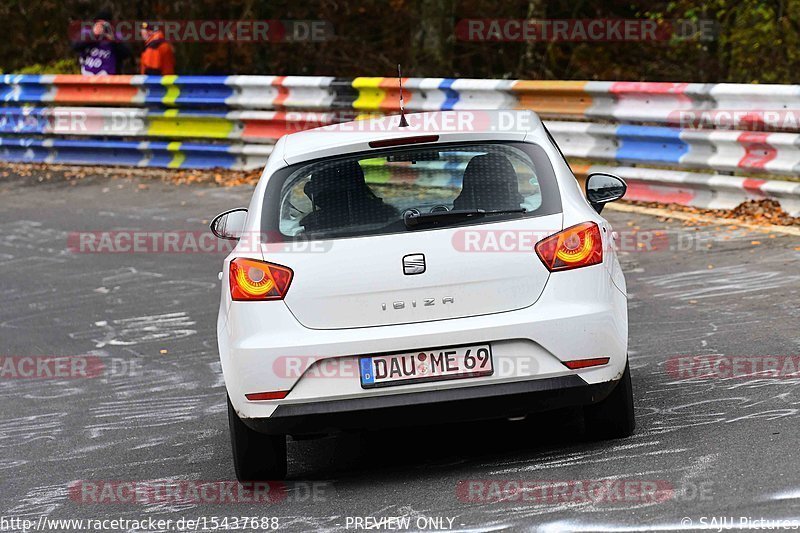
pixel 101 52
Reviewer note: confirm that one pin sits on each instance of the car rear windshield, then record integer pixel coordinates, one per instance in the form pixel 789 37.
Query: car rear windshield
pixel 410 189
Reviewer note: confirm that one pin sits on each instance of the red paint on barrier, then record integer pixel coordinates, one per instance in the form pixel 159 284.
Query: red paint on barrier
pixel 642 93
pixel 73 88
pixel 758 152
pixel 281 124
pixel 753 185
pixel 644 87
pixel 391 99
pixel 92 80
pixel 654 193
pixel 283 92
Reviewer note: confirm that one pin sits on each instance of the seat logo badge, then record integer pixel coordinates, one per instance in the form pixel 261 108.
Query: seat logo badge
pixel 413 264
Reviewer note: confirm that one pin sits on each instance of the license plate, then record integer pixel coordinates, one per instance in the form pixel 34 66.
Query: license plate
pixel 426 365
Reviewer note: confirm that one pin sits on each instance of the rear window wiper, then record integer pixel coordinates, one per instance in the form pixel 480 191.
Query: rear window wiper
pixel 413 220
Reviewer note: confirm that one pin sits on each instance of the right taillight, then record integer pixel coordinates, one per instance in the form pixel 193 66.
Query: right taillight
pixel 575 247
pixel 253 280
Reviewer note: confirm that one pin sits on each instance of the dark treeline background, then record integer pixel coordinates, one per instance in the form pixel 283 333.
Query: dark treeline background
pixel 756 41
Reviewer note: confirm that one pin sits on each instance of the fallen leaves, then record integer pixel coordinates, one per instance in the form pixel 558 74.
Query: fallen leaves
pixel 763 212
pixel 760 212
pixel 74 173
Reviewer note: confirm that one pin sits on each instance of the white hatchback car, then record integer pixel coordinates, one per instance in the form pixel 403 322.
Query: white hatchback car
pixel 443 271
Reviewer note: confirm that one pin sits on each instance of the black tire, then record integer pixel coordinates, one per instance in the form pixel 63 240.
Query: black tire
pixel 613 417
pixel 256 456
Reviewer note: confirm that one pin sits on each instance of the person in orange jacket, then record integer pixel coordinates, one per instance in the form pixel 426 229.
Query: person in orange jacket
pixel 158 58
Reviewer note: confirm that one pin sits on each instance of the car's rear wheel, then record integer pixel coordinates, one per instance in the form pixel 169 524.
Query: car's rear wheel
pixel 613 417
pixel 256 456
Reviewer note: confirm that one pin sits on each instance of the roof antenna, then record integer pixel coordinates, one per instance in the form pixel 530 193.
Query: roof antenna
pixel 403 121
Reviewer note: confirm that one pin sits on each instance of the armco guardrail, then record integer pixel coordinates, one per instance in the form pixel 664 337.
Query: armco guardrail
pixel 708 191
pixel 776 153
pixel 132 153
pixel 251 126
pixel 232 120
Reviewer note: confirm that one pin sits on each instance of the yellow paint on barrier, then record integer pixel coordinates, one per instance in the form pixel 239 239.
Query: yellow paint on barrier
pixel 173 91
pixel 178 157
pixel 370 95
pixel 171 124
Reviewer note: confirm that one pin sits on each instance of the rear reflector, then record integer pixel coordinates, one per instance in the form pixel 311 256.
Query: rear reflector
pixel 275 395
pixel 404 140
pixel 585 363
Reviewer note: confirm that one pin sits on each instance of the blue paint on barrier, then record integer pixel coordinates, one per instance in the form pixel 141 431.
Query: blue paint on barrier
pixel 188 90
pixel 203 147
pixel 199 155
pixel 23 120
pixel 199 80
pixel 23 150
pixel 126 153
pixel 160 159
pixel 208 160
pixel 650 144
pixel 97 152
pixel 22 88
pixel 451 96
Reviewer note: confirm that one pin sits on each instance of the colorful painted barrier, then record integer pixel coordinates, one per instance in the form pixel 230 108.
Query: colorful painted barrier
pixel 230 121
pixel 647 102
pixel 746 151
pixel 706 191
pixel 251 126
pixel 130 153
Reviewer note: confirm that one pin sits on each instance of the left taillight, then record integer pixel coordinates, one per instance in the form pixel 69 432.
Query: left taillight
pixel 253 280
pixel 575 247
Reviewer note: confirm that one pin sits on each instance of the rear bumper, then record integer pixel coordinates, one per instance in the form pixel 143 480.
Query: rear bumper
pixel 580 315
pixel 432 407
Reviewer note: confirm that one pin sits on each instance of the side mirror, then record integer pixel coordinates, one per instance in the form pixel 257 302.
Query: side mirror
pixel 230 224
pixel 602 188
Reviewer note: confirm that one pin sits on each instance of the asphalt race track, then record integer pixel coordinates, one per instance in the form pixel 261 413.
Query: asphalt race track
pixel 718 446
